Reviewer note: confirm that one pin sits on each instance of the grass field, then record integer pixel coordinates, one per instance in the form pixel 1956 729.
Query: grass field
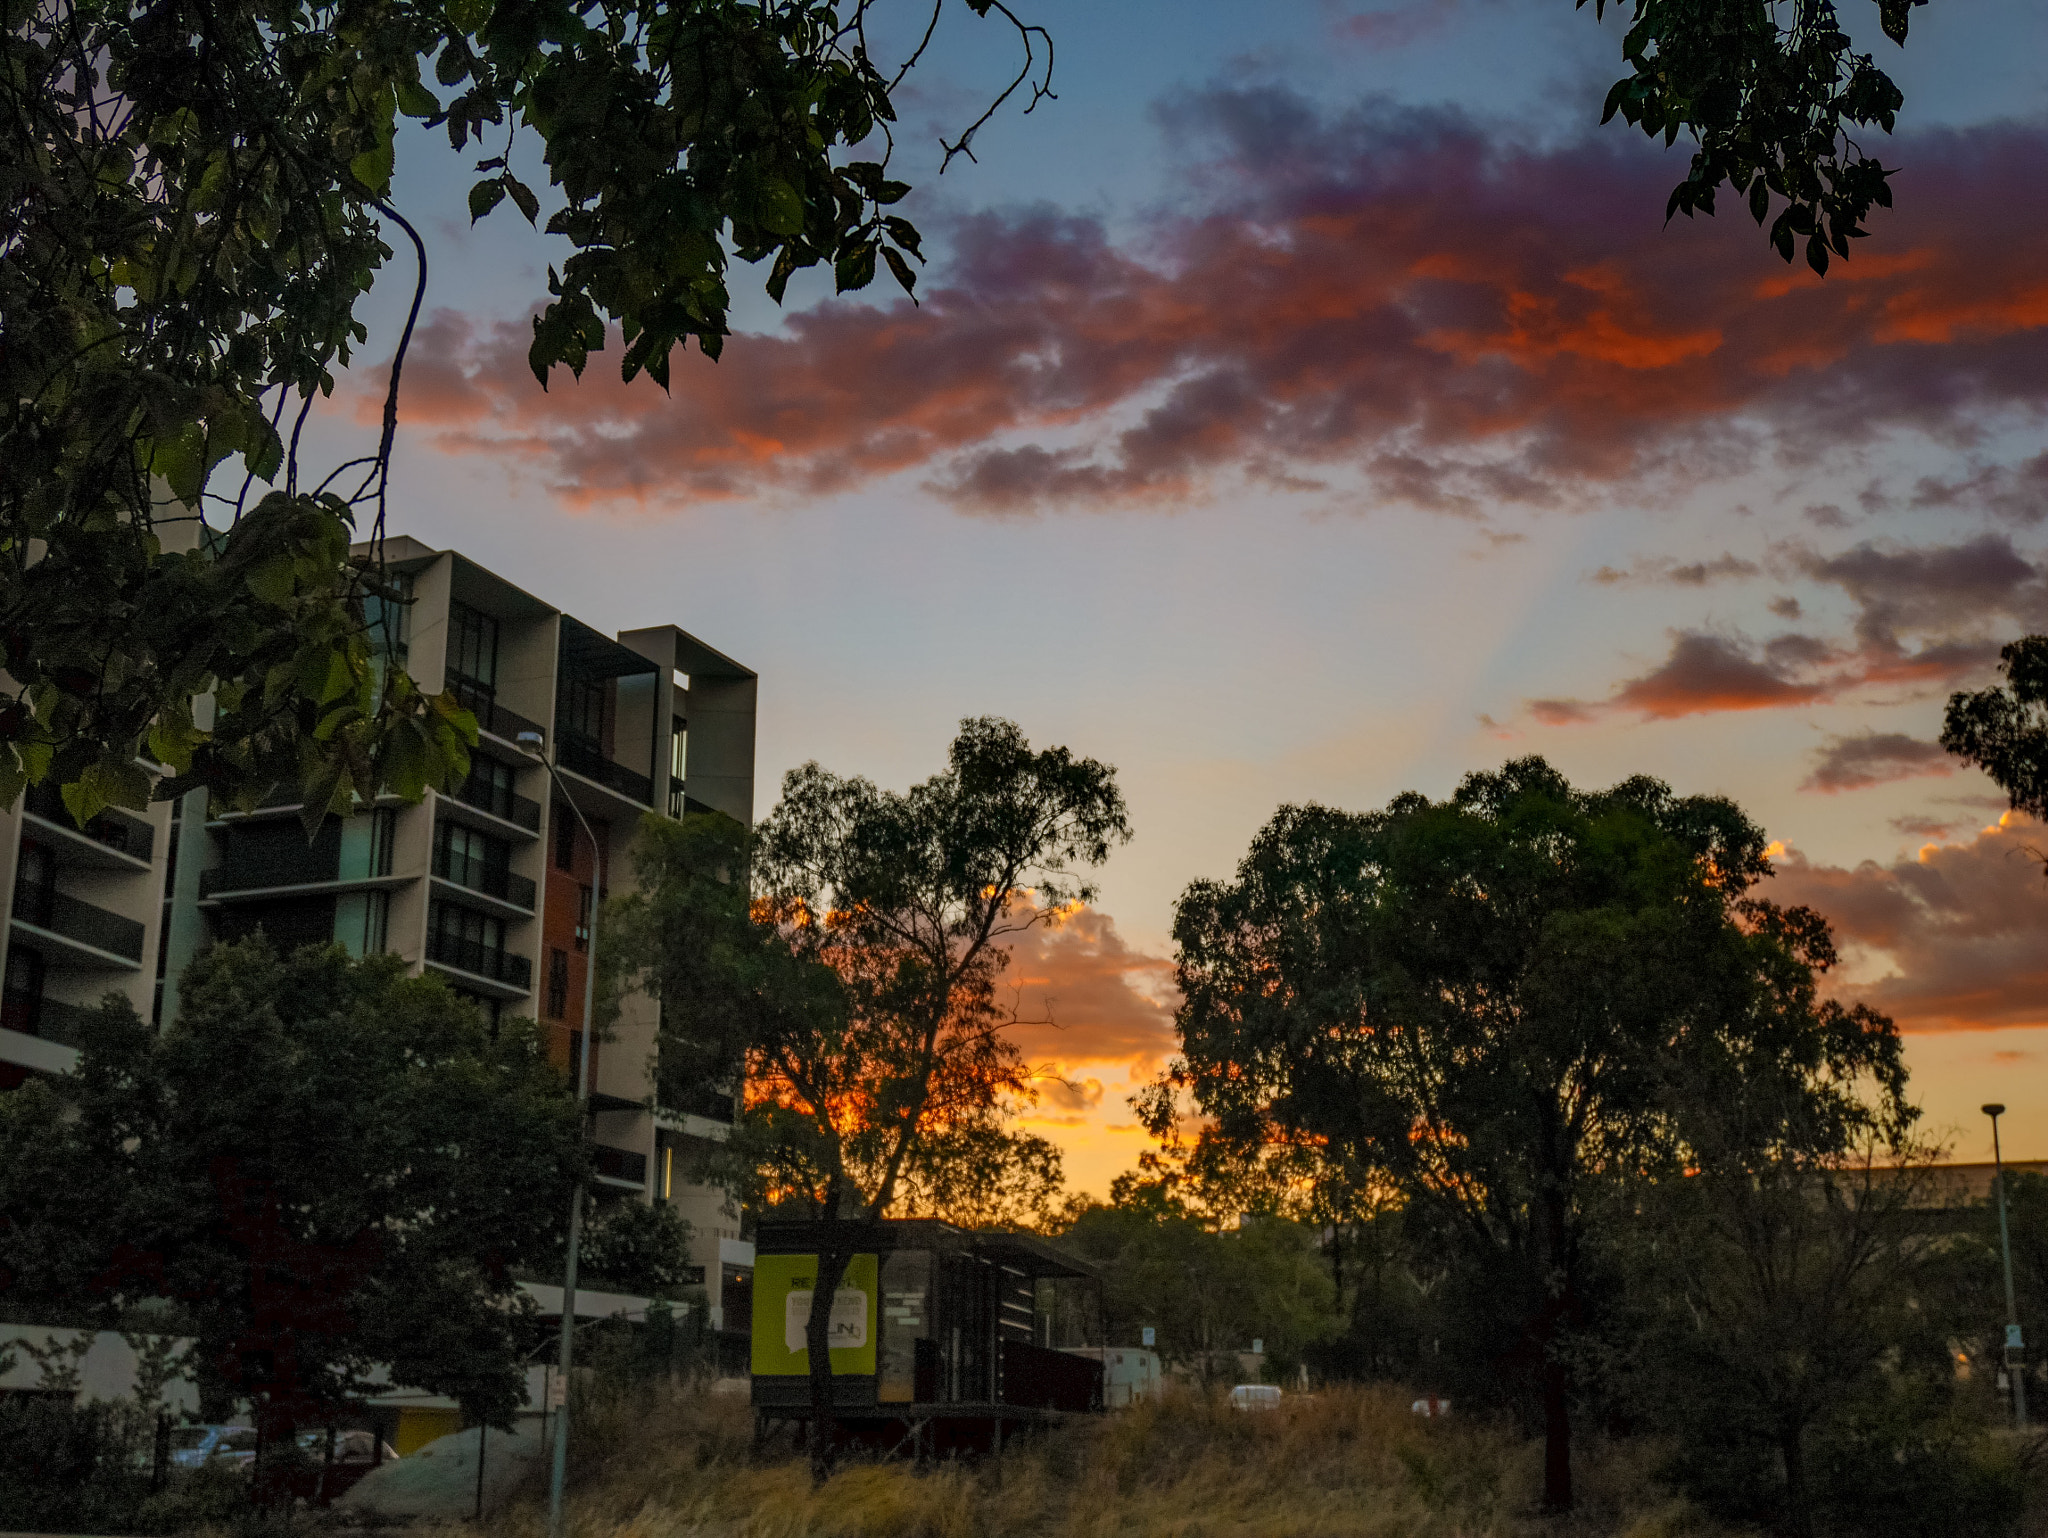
pixel 1347 1463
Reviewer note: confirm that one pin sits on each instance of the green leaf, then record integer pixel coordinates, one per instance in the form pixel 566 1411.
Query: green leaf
pixel 522 195
pixel 781 207
pixel 373 167
pixel 484 197
pixel 415 100
pixel 469 15
pixel 902 270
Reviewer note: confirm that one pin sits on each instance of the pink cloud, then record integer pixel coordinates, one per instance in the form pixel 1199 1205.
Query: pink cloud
pixel 1459 320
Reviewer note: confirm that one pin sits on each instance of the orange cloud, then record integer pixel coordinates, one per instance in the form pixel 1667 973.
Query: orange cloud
pixel 1087 997
pixel 1458 320
pixel 1957 937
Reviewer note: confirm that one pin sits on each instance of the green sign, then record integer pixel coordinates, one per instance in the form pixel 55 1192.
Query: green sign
pixel 783 1285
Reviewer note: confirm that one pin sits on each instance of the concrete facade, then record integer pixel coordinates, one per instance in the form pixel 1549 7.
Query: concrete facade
pixel 490 887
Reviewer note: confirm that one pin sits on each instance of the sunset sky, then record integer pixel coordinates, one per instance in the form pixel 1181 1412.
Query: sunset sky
pixel 1311 403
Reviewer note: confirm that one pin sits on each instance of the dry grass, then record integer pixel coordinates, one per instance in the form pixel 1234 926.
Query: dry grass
pixel 1348 1463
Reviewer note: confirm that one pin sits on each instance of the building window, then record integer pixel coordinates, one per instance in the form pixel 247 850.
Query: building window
pixel 558 983
pixel 583 918
pixel 473 647
pixel 390 619
pixel 576 1061
pixel 470 858
pixel 678 757
pixel 23 998
pixel 466 928
pixel 565 838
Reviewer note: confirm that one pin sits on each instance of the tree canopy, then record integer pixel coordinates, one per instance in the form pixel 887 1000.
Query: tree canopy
pixel 194 199
pixel 322 1166
pixel 1508 1003
pixel 2003 730
pixel 848 957
pixel 1773 93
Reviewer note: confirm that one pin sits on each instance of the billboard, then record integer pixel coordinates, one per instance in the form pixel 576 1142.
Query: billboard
pixel 783 1285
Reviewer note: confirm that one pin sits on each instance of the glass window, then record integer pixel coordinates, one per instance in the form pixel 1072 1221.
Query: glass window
pixel 558 983
pixel 583 918
pixel 473 645
pixel 565 838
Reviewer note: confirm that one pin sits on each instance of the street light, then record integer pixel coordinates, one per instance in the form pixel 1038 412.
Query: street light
pixel 2013 1344
pixel 533 743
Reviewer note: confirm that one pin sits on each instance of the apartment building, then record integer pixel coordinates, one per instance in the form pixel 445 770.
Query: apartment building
pixel 491 887
pixel 83 916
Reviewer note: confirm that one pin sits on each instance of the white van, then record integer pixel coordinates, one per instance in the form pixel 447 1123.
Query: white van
pixel 1255 1396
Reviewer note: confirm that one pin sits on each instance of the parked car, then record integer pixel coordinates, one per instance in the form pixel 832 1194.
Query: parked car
pixel 1255 1396
pixel 193 1445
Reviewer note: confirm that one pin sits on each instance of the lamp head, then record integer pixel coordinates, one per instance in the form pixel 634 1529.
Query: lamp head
pixel 1994 1111
pixel 532 741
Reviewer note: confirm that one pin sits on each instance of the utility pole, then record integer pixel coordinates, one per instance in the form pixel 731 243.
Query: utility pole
pixel 535 744
pixel 2014 1361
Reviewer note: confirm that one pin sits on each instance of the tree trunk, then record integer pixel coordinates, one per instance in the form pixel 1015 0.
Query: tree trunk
pixel 1791 1447
pixel 832 1258
pixel 1557 1435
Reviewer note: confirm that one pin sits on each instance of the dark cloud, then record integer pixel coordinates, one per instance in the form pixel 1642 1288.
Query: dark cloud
pixel 1927 618
pixel 2016 492
pixel 1875 758
pixel 1710 672
pixel 1681 574
pixel 1957 938
pixel 1418 298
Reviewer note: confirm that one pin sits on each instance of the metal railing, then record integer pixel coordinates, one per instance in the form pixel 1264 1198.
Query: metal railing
pixel 50 1019
pixel 113 827
pixel 619 1163
pixel 481 701
pixel 257 870
pixel 499 801
pixel 579 753
pixel 484 876
pixel 61 914
pixel 479 959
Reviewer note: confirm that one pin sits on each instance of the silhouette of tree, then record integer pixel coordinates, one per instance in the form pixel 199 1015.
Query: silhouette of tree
pixel 1507 1003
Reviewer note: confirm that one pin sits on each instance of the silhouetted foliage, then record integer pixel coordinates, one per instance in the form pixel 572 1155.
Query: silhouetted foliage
pixel 328 1166
pixel 2004 730
pixel 197 198
pixel 1772 92
pixel 1511 1005
pixel 856 979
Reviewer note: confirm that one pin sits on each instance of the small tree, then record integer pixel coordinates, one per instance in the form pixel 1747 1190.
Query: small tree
pixel 1508 1003
pixel 328 1165
pixel 2004 730
pixel 1795 1338
pixel 859 986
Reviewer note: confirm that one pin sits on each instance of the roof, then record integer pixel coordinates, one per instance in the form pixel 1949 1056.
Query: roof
pixel 1029 1253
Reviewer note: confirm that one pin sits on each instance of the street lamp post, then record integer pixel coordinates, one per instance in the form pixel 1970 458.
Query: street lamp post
pixel 535 744
pixel 2013 1343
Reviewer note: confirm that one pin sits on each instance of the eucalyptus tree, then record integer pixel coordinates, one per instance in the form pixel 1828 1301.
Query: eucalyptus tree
pixel 847 959
pixel 196 196
pixel 2003 730
pixel 1510 1004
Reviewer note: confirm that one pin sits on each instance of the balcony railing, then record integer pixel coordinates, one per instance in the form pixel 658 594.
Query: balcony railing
pixel 260 869
pixel 499 801
pixel 116 829
pixel 481 701
pixel 483 876
pixel 582 755
pixel 480 960
pixel 60 914
pixel 619 1163
pixel 705 1101
pixel 51 1019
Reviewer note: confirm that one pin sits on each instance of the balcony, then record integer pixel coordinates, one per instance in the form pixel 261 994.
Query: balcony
pixel 104 936
pixel 577 752
pixel 499 802
pixel 481 701
pixel 705 1101
pixel 481 961
pixel 50 1019
pixel 482 876
pixel 619 1165
pixel 120 831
